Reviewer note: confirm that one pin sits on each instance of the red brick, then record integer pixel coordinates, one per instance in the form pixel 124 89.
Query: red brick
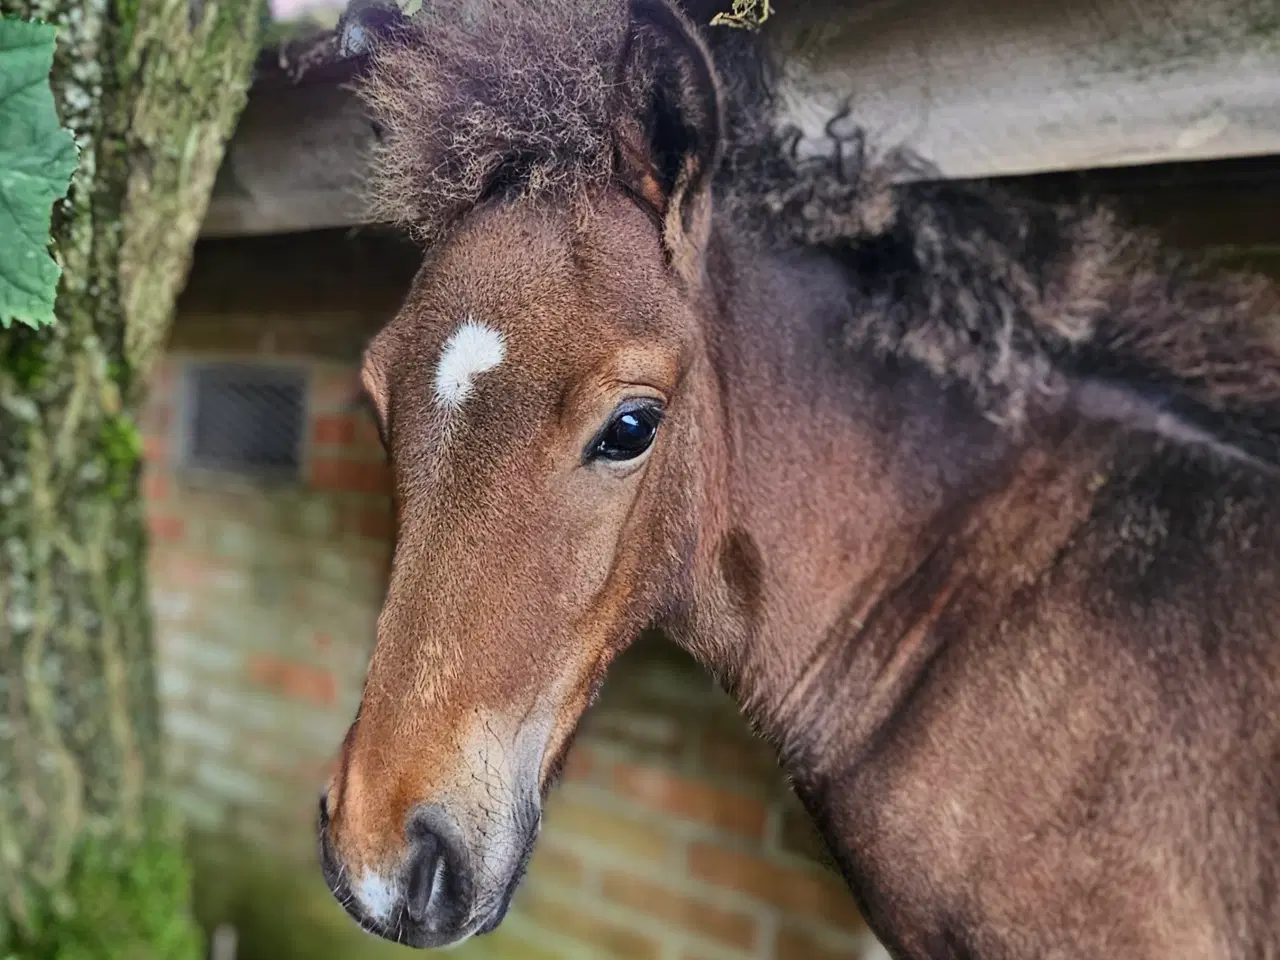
pixel 333 428
pixel 741 757
pixel 607 832
pixel 155 418
pixel 614 940
pixel 375 521
pixel 684 797
pixel 333 391
pixel 155 485
pixel 579 763
pixel 808 893
pixel 153 448
pixel 299 681
pixel 732 927
pixel 656 738
pixel 367 436
pixel 165 526
pixel 796 944
pixel 188 570
pixel 350 476
pixel 553 863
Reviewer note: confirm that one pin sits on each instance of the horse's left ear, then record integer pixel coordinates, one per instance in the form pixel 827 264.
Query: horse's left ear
pixel 669 137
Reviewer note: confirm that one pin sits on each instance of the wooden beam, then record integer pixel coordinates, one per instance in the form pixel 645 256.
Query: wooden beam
pixel 296 161
pixel 981 88
pixel 988 88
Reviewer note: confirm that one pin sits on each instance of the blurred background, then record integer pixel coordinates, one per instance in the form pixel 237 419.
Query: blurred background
pixel 674 836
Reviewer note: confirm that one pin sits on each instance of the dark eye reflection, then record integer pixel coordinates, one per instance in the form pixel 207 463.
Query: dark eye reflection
pixel 629 433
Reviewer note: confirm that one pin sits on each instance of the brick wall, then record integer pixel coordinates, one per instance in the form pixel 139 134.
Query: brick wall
pixel 673 836
pixel 265 599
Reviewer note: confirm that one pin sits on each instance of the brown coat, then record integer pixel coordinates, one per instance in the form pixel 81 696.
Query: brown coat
pixel 972 503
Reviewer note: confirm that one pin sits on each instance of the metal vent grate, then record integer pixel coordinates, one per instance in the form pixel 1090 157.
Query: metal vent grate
pixel 244 419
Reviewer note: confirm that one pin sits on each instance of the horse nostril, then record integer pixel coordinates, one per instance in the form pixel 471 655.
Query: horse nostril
pixel 426 878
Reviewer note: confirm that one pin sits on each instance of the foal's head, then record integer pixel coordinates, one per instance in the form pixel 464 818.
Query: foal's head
pixel 539 394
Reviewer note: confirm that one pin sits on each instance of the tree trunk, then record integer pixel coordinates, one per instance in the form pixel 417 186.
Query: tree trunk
pixel 89 863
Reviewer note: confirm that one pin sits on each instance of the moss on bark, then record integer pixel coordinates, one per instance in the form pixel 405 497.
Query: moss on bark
pixel 151 89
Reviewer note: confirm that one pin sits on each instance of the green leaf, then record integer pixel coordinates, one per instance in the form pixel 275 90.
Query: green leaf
pixel 37 159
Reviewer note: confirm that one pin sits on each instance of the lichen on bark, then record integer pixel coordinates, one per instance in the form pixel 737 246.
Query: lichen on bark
pixel 151 89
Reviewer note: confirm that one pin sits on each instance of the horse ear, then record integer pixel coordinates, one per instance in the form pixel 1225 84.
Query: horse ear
pixel 669 138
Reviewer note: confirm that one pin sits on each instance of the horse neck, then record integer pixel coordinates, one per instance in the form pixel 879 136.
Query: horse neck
pixel 840 476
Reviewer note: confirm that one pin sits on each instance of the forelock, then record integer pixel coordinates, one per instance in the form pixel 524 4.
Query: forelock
pixel 480 95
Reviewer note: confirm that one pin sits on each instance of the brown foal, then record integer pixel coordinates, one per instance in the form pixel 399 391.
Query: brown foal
pixel 971 503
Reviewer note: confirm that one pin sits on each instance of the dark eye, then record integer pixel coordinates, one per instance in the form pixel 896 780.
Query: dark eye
pixel 629 434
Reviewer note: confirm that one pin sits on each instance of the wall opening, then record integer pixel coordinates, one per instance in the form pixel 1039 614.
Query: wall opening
pixel 244 419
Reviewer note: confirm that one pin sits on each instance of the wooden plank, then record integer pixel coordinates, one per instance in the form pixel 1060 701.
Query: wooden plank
pixel 980 88
pixel 1008 87
pixel 296 162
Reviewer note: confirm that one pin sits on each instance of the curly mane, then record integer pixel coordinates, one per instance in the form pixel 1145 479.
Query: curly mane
pixel 1009 297
pixel 484 94
pixel 1018 300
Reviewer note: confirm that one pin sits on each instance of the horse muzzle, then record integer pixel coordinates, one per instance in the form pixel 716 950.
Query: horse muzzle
pixel 432 896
